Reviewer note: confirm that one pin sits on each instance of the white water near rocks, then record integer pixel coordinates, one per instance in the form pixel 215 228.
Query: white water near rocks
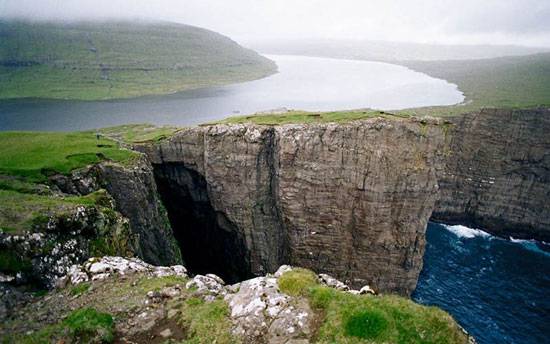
pixel 305 83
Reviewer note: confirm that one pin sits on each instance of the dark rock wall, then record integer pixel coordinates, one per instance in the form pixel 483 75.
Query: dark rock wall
pixel 352 200
pixel 134 191
pixel 496 175
pixel 136 197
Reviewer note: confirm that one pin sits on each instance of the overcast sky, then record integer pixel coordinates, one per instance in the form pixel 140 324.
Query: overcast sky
pixel 523 22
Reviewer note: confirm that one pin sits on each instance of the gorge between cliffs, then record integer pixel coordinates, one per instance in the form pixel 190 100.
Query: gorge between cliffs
pixel 349 199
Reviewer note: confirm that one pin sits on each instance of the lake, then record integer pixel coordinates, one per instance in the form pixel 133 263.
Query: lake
pixel 304 83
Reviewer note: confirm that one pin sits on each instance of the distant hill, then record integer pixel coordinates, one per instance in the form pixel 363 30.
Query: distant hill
pixel 389 51
pixel 102 60
pixel 513 81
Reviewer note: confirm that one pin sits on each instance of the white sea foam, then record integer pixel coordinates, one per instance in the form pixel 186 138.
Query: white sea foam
pixel 466 232
pixel 532 245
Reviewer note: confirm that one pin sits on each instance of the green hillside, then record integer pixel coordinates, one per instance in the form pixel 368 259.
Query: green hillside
pixel 103 60
pixel 515 81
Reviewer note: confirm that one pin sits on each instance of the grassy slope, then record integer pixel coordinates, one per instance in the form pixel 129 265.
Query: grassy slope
pixel 27 158
pixel 34 155
pixel 118 60
pixel 347 318
pixel 510 82
pixel 198 321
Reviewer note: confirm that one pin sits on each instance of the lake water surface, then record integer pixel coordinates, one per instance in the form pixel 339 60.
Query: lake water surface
pixel 305 83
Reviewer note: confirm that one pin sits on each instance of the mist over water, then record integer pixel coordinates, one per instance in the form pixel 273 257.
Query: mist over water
pixel 496 289
pixel 304 83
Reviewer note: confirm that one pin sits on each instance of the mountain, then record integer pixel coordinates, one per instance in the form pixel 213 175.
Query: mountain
pixel 118 59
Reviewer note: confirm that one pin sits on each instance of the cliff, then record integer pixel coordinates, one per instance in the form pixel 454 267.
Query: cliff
pixel 351 200
pixel 497 173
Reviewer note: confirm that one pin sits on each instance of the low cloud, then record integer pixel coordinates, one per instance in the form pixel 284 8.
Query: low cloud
pixel 523 22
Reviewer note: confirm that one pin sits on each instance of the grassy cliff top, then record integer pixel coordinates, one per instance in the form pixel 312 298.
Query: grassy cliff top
pixel 103 60
pixel 35 155
pixel 298 117
pixel 28 158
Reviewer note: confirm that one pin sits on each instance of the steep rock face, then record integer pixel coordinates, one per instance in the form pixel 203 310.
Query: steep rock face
pixel 351 200
pixel 135 196
pixel 497 173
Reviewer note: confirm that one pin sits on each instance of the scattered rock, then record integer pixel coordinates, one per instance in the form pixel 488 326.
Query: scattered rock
pixel 101 268
pixel 367 290
pixel 261 313
pixel 207 285
pixel 166 333
pixel 332 282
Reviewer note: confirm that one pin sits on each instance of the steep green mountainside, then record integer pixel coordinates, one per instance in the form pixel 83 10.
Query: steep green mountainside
pixel 102 60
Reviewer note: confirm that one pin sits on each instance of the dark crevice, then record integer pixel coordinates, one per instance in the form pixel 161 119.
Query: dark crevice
pixel 209 241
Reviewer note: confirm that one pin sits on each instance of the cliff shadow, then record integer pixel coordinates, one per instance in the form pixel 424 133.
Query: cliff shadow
pixel 209 242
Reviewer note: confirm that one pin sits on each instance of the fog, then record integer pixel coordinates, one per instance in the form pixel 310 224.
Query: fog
pixel 519 22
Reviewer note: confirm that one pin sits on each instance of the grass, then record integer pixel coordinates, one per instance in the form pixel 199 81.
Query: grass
pixel 85 325
pixel 35 155
pixel 11 263
pixel 139 133
pixel 19 211
pixel 297 282
pixel 298 117
pixel 80 289
pixel 117 59
pixel 507 82
pixel 348 318
pixel 206 322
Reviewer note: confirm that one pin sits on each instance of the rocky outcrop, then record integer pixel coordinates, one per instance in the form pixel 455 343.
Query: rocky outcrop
pixel 135 196
pixel 61 240
pixel 496 174
pixel 351 200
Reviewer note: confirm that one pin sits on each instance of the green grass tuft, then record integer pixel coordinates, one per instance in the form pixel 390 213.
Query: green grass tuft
pixel 80 289
pixel 297 282
pixel 207 322
pixel 85 325
pixel 367 324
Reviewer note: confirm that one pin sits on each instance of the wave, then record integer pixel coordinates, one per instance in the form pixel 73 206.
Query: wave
pixel 461 231
pixel 533 245
pixel 466 232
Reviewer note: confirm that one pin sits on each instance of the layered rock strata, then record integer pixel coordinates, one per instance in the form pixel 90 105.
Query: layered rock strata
pixel 351 200
pixel 496 175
